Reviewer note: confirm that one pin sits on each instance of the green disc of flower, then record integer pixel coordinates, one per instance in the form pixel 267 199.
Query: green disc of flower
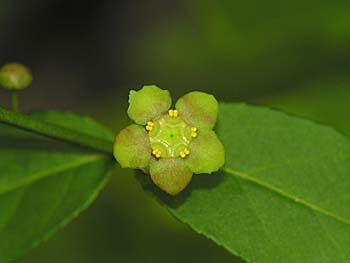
pixel 170 175
pixel 15 76
pixel 169 136
pixel 207 153
pixel 132 148
pixel 198 108
pixel 148 103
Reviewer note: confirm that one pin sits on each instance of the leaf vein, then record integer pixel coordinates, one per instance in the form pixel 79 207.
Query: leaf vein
pixel 260 220
pixel 45 173
pixel 330 237
pixel 287 195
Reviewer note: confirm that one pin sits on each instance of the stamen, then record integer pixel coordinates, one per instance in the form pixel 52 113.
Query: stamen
pixel 156 153
pixel 173 113
pixel 149 126
pixel 194 132
pixel 182 154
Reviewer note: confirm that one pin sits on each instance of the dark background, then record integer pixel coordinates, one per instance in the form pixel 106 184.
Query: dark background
pixel 87 55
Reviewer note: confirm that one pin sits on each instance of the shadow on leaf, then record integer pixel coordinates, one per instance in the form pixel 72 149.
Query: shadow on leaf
pixel 201 182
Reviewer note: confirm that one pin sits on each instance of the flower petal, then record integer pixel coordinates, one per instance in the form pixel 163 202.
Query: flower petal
pixel 131 147
pixel 199 109
pixel 207 153
pixel 148 103
pixel 171 175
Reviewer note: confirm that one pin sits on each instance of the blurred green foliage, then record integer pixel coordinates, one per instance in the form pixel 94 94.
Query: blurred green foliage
pixel 293 55
pixel 247 49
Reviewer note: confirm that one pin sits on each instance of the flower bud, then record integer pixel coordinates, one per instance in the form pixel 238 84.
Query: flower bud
pixel 15 76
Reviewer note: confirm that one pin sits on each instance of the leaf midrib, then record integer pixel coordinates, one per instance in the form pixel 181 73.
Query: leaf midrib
pixel 287 195
pixel 52 171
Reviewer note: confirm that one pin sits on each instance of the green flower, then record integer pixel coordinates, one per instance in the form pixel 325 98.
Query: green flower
pixel 170 144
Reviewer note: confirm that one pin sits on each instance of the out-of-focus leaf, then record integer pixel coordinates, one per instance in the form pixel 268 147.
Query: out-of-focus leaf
pixel 325 100
pixel 44 184
pixel 244 49
pixel 282 195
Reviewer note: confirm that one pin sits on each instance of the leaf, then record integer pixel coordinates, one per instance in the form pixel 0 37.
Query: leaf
pixel 283 195
pixel 44 184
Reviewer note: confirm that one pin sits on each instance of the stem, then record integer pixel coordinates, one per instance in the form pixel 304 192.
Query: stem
pixel 57 132
pixel 14 100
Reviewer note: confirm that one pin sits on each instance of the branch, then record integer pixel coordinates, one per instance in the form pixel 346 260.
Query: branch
pixel 57 132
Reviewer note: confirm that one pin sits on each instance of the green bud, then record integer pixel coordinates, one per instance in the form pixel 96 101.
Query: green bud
pixel 15 76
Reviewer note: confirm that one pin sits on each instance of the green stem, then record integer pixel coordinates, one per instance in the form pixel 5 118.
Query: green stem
pixel 14 100
pixel 44 128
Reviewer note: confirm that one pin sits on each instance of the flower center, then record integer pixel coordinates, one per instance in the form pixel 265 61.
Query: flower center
pixel 170 136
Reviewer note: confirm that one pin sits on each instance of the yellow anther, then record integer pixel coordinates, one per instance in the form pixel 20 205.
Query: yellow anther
pixel 149 123
pixel 173 113
pixel 194 132
pixel 186 151
pixel 182 154
pixel 156 153
pixel 149 127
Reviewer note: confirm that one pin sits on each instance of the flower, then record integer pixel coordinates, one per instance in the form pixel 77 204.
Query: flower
pixel 170 144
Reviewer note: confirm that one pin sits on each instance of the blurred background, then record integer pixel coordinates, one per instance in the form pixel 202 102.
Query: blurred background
pixel 292 55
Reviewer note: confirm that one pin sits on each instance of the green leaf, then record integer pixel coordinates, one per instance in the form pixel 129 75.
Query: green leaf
pixel 44 184
pixel 283 194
